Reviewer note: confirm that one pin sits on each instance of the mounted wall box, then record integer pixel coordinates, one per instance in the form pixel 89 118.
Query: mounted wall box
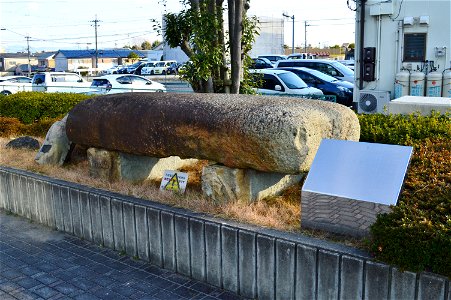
pixel 368 71
pixel 381 8
pixel 369 54
pixel 424 20
pixel 408 21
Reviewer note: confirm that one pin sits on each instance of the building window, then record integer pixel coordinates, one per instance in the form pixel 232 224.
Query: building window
pixel 414 47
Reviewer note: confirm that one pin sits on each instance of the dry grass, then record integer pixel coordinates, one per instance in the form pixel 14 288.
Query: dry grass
pixel 281 212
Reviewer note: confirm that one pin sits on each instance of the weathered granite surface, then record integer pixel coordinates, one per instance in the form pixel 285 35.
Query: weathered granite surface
pixel 265 133
pixel 56 146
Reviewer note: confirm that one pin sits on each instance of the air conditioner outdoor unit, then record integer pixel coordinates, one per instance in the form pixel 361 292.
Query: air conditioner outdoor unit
pixel 373 101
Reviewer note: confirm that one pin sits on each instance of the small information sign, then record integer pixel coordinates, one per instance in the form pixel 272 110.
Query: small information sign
pixel 174 181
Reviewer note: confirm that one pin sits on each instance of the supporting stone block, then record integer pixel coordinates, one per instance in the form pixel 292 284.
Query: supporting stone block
pixel 111 165
pixel 306 272
pixel 155 244
pixel 224 184
pixel 338 214
pixel 285 262
pixel 197 241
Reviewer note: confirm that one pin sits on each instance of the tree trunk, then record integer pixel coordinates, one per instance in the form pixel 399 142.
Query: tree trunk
pixel 235 32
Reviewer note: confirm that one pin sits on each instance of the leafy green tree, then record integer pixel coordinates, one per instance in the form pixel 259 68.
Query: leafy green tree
pixel 199 31
pixel 133 56
pixel 146 45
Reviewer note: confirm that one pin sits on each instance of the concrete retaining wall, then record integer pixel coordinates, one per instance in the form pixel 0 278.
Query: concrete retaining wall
pixel 251 261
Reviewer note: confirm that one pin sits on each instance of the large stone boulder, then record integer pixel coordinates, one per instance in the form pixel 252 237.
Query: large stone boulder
pixel 265 133
pixel 23 142
pixel 56 146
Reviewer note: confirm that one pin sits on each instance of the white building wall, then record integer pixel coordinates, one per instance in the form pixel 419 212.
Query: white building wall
pixel 384 29
pixel 271 38
pixel 61 63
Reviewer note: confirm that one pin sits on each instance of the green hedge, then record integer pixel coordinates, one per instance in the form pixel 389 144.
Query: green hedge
pixel 416 235
pixel 31 107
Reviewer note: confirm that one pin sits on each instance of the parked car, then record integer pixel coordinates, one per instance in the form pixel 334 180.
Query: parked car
pixel 147 68
pixel 348 63
pixel 273 58
pixel 161 67
pixel 301 56
pixel 23 69
pixel 174 68
pixel 13 84
pixel 122 70
pixel 133 67
pixel 260 63
pixel 329 67
pixel 113 84
pixel 112 70
pixel 59 82
pixel 282 82
pixel 342 90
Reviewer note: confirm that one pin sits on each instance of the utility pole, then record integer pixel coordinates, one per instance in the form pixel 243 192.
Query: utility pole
pixel 305 36
pixel 28 51
pixel 292 41
pixel 96 21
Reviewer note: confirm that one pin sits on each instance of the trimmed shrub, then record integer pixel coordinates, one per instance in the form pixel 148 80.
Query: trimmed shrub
pixel 416 235
pixel 30 107
pixel 10 127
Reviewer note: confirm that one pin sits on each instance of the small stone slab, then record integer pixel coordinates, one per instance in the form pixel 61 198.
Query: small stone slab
pixel 23 142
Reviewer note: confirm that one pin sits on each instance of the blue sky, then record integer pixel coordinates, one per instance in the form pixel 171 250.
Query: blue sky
pixel 67 24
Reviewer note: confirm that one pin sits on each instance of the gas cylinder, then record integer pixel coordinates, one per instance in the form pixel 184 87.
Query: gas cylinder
pixel 402 83
pixel 446 91
pixel 417 83
pixel 434 84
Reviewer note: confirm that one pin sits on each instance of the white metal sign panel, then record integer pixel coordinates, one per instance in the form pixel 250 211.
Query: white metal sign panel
pixel 361 171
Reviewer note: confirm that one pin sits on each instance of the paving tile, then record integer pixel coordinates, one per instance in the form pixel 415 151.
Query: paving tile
pixel 65 288
pixel 46 292
pixel 66 267
pixel 28 282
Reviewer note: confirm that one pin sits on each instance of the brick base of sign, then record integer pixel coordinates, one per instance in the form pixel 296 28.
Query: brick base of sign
pixel 339 215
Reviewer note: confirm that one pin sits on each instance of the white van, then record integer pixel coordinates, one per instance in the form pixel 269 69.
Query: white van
pixel 161 67
pixel 59 82
pixel 330 67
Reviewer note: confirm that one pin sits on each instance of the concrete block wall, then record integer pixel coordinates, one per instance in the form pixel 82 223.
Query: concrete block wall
pixel 251 261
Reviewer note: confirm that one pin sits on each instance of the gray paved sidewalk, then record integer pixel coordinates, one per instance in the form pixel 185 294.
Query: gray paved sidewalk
pixel 39 263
